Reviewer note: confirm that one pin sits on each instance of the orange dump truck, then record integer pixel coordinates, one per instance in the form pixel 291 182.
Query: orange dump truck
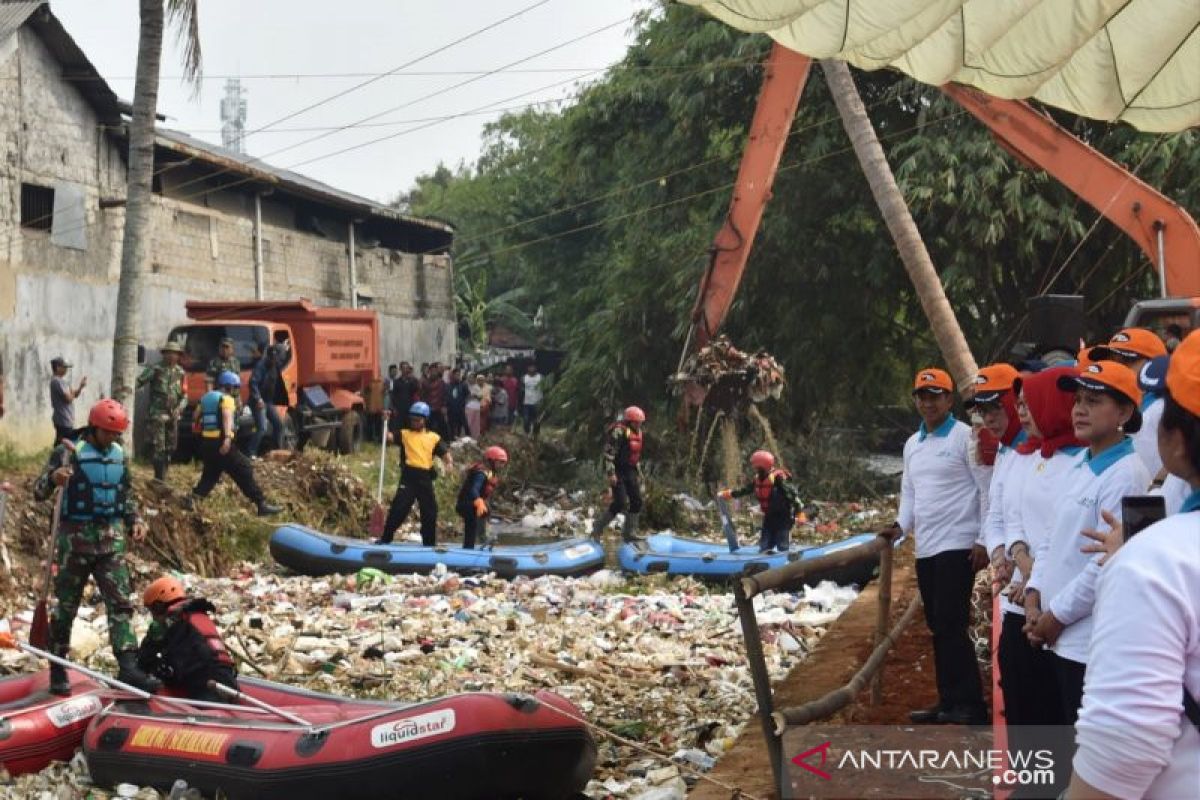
pixel 333 378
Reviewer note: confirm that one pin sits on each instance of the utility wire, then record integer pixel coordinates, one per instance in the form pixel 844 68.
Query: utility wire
pixel 424 97
pixel 297 76
pixel 692 196
pixel 257 160
pixel 555 212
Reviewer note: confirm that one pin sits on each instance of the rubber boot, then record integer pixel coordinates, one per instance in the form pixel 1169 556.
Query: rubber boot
pixel 601 523
pixel 129 672
pixel 265 509
pixel 60 684
pixel 629 529
pixel 160 469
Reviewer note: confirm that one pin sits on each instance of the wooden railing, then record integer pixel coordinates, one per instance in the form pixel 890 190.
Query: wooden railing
pixel 775 721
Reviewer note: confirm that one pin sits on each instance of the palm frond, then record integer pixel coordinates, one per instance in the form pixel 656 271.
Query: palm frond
pixel 184 17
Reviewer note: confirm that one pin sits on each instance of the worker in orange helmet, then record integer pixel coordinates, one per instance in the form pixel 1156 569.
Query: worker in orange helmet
pixel 478 484
pixel 97 510
pixel 622 456
pixel 777 498
pixel 182 646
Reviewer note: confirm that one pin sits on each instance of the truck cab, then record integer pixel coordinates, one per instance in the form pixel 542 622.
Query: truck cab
pixel 329 382
pixel 1157 314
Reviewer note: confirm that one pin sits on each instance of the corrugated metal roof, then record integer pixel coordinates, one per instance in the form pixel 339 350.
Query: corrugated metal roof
pixel 286 179
pixel 13 15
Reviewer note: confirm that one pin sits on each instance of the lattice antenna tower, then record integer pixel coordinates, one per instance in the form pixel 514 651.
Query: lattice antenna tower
pixel 233 116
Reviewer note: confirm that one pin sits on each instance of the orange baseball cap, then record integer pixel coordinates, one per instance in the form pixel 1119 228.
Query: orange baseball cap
pixel 991 382
pixel 933 380
pixel 1183 375
pixel 1084 357
pixel 1130 343
pixel 1111 378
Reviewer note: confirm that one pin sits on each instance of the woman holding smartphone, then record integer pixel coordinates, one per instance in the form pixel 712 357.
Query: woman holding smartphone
pixel 1139 728
pixel 1062 589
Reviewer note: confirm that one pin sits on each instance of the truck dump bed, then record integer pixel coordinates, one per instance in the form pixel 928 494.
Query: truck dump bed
pixel 331 345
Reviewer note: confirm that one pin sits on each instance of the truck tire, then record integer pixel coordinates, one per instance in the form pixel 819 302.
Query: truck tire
pixel 322 439
pixel 350 434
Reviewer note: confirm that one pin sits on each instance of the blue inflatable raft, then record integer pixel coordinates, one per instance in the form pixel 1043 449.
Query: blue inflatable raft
pixel 677 555
pixel 310 552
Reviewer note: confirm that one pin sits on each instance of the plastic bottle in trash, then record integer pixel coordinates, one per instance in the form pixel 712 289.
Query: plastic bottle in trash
pixel 178 790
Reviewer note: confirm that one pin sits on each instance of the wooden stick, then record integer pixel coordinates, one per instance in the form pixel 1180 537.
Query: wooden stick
pixel 839 698
pixel 885 616
pixel 797 571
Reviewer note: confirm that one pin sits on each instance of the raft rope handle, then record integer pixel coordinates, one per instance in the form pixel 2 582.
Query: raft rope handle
pixel 734 790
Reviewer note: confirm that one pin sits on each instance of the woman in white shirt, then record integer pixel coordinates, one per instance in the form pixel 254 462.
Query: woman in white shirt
pixel 1136 734
pixel 1062 589
pixel 1032 490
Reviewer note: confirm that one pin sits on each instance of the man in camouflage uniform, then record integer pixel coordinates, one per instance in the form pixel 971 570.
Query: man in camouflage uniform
pixel 97 507
pixel 167 399
pixel 225 361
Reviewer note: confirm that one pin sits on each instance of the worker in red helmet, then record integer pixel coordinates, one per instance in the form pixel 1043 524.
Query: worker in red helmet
pixel 97 510
pixel 777 499
pixel 622 457
pixel 478 485
pixel 182 646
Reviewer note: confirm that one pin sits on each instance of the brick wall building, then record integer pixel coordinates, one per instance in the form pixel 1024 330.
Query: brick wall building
pixel 62 188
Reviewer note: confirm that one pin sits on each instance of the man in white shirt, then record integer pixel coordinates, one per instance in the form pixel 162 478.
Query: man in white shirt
pixel 939 506
pixel 532 399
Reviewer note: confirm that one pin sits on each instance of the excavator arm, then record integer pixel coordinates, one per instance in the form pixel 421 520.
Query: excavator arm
pixel 783 81
pixel 1164 231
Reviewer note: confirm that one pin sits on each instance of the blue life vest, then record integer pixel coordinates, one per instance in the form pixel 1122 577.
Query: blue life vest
pixel 96 488
pixel 210 414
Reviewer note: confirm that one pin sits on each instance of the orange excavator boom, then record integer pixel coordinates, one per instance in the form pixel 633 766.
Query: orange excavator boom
pixel 783 81
pixel 1163 229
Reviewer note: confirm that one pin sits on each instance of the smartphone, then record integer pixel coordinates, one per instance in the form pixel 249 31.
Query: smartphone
pixel 1139 512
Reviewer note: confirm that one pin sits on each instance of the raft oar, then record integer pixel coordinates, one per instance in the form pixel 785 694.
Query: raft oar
pixel 39 628
pixel 7 640
pixel 727 526
pixel 234 694
pixel 375 526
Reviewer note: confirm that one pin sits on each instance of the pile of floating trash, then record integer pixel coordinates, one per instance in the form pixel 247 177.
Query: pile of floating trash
pixel 656 662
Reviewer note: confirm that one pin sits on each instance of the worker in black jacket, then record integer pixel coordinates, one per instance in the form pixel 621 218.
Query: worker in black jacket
pixel 622 454
pixel 479 483
pixel 182 645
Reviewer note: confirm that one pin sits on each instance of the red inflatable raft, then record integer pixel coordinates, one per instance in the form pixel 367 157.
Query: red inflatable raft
pixel 479 745
pixel 37 727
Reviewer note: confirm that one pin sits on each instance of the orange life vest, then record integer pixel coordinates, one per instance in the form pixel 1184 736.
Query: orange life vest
pixel 764 486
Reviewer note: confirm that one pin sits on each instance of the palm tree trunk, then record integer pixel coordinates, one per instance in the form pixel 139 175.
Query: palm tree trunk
pixel 135 246
pixel 899 221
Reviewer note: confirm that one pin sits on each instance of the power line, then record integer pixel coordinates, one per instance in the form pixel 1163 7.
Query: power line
pixel 442 48
pixel 731 63
pixel 424 97
pixel 694 195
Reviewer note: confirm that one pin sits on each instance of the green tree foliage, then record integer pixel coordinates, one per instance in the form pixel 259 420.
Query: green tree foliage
pixel 602 214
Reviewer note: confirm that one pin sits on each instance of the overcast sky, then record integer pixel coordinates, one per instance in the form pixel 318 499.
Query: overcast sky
pixel 294 40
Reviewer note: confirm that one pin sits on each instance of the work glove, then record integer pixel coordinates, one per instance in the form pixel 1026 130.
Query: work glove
pixel 481 508
pixel 725 494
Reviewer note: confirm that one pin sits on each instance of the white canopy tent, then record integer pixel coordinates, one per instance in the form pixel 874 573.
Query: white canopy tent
pixel 1135 61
